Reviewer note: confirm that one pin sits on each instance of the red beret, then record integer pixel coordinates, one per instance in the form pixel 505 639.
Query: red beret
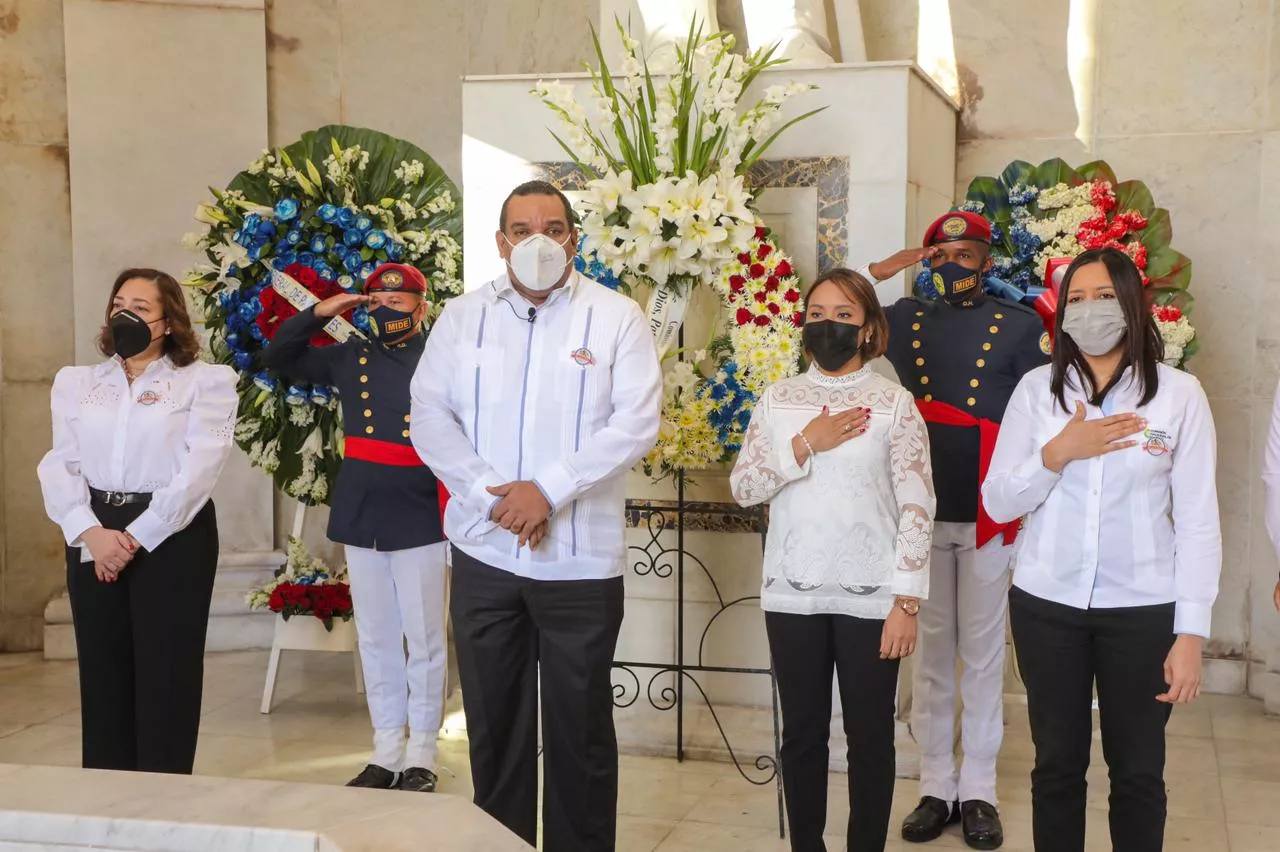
pixel 396 278
pixel 958 225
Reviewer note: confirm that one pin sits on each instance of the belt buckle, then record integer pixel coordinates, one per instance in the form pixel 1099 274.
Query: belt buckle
pixel 116 498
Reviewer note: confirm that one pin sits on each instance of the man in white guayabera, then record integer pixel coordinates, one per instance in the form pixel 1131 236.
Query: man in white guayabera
pixel 536 394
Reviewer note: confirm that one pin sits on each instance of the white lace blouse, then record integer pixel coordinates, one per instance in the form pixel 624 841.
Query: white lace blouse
pixel 851 528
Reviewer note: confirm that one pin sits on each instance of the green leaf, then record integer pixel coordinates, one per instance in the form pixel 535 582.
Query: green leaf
pixel 1055 171
pixel 1017 172
pixel 1098 170
pixel 1169 268
pixel 994 196
pixel 1158 233
pixel 1134 195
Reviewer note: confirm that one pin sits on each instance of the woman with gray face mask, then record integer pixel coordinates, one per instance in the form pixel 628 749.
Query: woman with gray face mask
pixel 1110 456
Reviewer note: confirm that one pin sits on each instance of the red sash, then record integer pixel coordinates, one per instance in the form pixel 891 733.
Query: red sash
pixel 948 415
pixel 396 455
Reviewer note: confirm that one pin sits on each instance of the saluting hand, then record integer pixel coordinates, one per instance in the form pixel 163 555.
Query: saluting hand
pixel 340 304
pixel 1086 439
pixel 898 261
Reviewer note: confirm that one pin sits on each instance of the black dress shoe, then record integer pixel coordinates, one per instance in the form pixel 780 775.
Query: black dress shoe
pixel 981 824
pixel 928 820
pixel 415 779
pixel 375 778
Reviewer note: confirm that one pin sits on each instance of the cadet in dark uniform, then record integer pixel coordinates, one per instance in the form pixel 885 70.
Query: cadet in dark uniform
pixel 386 510
pixel 961 355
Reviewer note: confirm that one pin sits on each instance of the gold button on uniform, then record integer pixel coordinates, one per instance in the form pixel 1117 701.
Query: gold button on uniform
pixel 986 347
pixel 919 313
pixel 928 397
pixel 915 326
pixel 405 433
pixel 368 430
pixel 364 394
pixel 999 316
pixel 915 344
pixel 924 380
pixel 971 401
pixel 995 329
pixel 406 418
pixel 973 383
pixel 982 362
pixel 364 380
pixel 919 362
pixel 364 360
pixel 368 412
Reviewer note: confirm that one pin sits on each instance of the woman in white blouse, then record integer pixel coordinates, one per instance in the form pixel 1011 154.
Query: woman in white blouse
pixel 1110 455
pixel 842 456
pixel 138 443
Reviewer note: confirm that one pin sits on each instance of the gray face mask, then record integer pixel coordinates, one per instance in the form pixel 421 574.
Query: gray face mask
pixel 1095 326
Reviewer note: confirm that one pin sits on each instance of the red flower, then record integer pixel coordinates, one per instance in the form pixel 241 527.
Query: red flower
pixel 743 316
pixel 736 283
pixel 744 258
pixel 757 270
pixel 797 319
pixel 784 269
pixel 760 296
pixel 304 275
pixel 276 308
pixel 1101 195
pixel 774 309
pixel 1166 313
pixel 763 320
pixel 792 296
pixel 761 232
pixel 276 602
pixel 772 284
pixel 764 251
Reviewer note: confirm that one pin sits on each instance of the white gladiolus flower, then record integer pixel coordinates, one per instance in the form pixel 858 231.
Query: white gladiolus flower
pixel 607 191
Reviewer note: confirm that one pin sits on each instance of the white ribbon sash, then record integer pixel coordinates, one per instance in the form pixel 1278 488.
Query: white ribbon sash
pixel 302 298
pixel 667 307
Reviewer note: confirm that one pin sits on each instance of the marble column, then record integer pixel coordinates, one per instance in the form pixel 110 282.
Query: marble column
pixel 157 112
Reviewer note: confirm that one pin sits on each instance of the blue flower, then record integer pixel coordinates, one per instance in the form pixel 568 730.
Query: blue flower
pixel 256 333
pixel 319 245
pixel 243 361
pixel 346 217
pixel 228 301
pixel 1020 195
pixel 306 258
pixel 352 261
pixel 327 213
pixel 266 228
pixel 264 381
pixel 259 251
pixel 249 310
pixel 395 251
pixel 233 271
pixel 366 271
pixel 375 240
pixel 293 237
pixel 233 341
pixel 296 395
pixel 286 209
pixel 352 238
pixel 363 223
pixel 320 395
pixel 286 258
pixel 251 223
pixel 325 271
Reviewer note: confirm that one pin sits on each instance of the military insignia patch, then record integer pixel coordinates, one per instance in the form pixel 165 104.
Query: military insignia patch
pixel 939 286
pixel 398 326
pixel 583 357
pixel 392 280
pixel 966 284
pixel 955 226
pixel 1046 345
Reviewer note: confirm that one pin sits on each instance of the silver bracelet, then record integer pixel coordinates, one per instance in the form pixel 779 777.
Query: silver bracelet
pixel 806 443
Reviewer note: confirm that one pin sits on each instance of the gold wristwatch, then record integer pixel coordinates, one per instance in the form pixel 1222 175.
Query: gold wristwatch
pixel 911 606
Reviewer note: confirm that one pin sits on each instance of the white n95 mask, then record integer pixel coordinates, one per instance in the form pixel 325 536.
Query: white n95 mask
pixel 538 261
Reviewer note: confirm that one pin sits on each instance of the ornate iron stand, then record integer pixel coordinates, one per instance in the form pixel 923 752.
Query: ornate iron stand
pixel 658 559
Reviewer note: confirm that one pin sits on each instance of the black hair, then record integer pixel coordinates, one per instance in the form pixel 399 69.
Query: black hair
pixel 537 187
pixel 1143 346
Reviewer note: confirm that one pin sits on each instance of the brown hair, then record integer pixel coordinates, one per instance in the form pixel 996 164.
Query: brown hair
pixel 181 344
pixel 859 289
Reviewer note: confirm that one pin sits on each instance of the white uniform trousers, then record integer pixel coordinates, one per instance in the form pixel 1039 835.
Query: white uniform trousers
pixel 965 617
pixel 398 598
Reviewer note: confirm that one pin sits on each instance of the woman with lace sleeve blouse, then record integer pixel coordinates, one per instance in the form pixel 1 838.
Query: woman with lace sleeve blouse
pixel 138 443
pixel 842 457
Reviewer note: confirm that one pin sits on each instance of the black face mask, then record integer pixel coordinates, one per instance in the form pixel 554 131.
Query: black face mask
pixel 388 324
pixel 130 334
pixel 832 344
pixel 956 283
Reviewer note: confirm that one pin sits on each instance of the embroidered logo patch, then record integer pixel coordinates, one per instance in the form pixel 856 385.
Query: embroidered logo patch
pixel 583 357
pixel 392 280
pixel 1157 442
pixel 1046 345
pixel 955 226
pixel 148 398
pixel 397 326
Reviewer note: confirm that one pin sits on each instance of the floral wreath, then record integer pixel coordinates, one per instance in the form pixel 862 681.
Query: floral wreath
pixel 305 586
pixel 1042 213
pixel 299 225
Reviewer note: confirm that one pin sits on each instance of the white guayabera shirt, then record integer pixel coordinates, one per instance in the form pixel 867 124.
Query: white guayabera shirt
pixel 1136 527
pixel 167 435
pixel 851 528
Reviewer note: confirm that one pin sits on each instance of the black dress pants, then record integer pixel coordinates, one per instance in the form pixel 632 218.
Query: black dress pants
pixel 806 650
pixel 508 629
pixel 1062 651
pixel 140 643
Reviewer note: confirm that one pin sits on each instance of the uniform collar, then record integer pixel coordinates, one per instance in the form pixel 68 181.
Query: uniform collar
pixel 418 341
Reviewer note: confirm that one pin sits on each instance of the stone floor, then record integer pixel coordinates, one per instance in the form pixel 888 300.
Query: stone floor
pixel 1223 775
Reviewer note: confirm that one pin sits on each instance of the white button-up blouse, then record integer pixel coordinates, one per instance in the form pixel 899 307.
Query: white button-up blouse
pixel 167 435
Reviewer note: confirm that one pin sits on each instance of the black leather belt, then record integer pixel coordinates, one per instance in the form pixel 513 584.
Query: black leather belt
pixel 119 498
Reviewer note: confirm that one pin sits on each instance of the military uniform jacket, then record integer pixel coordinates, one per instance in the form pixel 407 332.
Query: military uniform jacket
pixel 970 357
pixel 377 506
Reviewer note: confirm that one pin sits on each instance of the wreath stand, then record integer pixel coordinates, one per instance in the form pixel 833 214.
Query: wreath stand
pixel 305 633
